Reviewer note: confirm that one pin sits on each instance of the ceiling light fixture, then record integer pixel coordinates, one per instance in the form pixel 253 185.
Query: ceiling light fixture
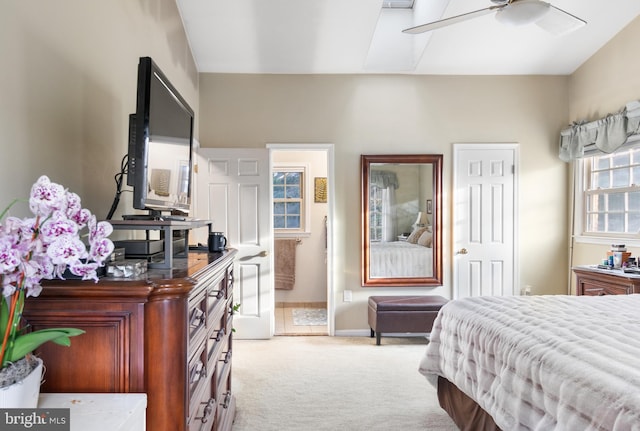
pixel 523 12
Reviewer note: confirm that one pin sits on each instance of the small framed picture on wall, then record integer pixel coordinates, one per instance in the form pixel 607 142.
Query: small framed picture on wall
pixel 320 190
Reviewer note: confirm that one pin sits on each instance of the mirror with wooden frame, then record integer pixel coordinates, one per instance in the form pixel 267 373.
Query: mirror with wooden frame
pixel 401 220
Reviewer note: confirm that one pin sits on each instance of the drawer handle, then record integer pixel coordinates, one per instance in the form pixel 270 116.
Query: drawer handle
pixel 198 372
pixel 220 335
pixel 227 400
pixel 227 357
pixel 217 293
pixel 207 411
pixel 197 318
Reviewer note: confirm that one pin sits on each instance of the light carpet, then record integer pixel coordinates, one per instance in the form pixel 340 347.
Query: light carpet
pixel 309 316
pixel 333 383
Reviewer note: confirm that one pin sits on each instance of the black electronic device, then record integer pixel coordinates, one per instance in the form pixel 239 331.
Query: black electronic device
pixel 160 144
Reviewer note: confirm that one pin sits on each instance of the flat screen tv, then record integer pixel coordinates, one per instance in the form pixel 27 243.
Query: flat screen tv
pixel 160 145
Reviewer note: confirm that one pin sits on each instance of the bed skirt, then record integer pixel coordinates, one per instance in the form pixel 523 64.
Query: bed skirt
pixel 465 412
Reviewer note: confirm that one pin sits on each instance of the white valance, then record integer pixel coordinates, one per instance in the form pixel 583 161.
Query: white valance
pixel 605 135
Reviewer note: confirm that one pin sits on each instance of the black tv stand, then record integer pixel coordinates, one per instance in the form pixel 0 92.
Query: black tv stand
pixel 156 215
pixel 140 217
pixel 167 228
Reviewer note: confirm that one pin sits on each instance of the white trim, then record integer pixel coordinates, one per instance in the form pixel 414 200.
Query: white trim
pixel 331 180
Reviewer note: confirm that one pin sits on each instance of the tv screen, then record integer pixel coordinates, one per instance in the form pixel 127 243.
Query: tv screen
pixel 160 144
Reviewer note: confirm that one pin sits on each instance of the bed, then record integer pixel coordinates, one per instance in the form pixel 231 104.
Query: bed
pixel 538 362
pixel 400 259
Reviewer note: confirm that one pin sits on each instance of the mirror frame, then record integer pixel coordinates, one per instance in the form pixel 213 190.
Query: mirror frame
pixel 365 163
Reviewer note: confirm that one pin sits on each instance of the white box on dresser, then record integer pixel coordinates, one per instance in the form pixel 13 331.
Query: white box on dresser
pixel 100 412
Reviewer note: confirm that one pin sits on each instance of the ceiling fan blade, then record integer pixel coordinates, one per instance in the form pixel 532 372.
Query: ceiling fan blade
pixel 559 22
pixel 452 20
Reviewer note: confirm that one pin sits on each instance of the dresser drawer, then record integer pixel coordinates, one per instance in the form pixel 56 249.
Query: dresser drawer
pixel 197 321
pixel 597 289
pixel 198 373
pixel 595 281
pixel 204 417
pixel 218 336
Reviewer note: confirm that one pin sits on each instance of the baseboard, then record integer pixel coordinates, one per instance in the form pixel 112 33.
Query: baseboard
pixel 367 333
pixel 352 333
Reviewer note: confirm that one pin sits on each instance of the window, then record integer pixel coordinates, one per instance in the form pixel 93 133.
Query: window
pixel 375 213
pixel 288 199
pixel 611 193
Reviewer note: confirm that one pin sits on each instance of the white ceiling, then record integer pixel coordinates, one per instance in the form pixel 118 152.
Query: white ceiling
pixel 334 36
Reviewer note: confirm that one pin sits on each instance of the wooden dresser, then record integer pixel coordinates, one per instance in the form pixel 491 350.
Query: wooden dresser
pixel 595 281
pixel 167 334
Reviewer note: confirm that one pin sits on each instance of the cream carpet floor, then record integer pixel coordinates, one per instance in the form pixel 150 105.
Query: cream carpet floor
pixel 333 383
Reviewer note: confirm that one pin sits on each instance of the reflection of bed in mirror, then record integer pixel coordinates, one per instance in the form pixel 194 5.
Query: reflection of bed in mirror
pixel 400 259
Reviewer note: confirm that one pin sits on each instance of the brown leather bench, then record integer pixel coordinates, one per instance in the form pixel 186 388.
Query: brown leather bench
pixel 403 314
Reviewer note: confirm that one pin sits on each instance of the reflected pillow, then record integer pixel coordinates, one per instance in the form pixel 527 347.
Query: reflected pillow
pixel 426 239
pixel 415 235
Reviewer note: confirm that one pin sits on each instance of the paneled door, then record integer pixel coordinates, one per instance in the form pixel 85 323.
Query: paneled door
pixel 233 190
pixel 485 220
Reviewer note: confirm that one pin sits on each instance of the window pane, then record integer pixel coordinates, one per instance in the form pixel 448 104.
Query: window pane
pixel 634 201
pixel 293 208
pixel 636 175
pixel 278 208
pixel 616 202
pixel 602 162
pixel 293 177
pixel 634 223
pixel 293 222
pixel 621 177
pixel 601 179
pixel 278 222
pixel 621 159
pixel 293 192
pixel 615 223
pixel 278 178
pixel 278 192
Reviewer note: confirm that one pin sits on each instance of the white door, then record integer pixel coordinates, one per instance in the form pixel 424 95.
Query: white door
pixel 233 191
pixel 484 242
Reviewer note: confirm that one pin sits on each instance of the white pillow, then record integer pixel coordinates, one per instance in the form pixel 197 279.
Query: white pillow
pixel 415 235
pixel 426 239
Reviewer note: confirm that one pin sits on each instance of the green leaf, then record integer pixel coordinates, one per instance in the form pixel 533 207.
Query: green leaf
pixel 29 342
pixel 4 316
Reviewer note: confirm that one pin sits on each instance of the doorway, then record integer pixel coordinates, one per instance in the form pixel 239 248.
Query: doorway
pixel 302 274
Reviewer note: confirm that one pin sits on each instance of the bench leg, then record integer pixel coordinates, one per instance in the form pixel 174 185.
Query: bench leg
pixel 378 335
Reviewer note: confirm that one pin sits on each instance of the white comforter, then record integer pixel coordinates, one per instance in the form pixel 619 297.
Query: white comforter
pixel 400 259
pixel 543 362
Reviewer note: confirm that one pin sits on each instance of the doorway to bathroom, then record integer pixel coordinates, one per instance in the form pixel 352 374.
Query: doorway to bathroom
pixel 302 207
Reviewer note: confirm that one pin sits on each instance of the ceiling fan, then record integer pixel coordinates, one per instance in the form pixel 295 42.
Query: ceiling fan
pixel 514 12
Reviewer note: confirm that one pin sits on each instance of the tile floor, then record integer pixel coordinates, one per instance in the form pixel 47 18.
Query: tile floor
pixel 284 319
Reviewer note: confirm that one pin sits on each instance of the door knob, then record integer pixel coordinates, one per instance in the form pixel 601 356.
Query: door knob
pixel 264 253
pixel 462 251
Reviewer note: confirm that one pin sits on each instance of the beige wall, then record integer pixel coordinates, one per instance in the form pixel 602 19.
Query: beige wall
pixel 369 114
pixel 68 84
pixel 603 85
